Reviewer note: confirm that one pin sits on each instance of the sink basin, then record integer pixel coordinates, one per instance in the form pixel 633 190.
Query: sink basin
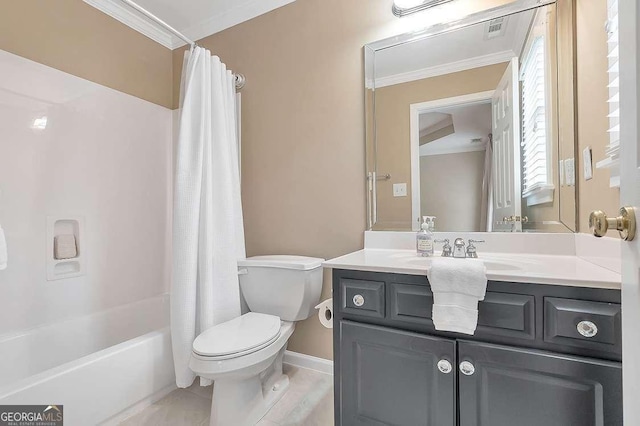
pixel 491 264
pixel 501 266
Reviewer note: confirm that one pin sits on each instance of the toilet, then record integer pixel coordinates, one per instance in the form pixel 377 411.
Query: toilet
pixel 244 355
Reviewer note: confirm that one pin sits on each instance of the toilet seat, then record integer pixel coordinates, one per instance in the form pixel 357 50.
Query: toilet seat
pixel 240 336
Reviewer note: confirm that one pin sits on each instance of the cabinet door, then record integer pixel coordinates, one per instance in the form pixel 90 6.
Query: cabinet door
pixel 392 377
pixel 501 386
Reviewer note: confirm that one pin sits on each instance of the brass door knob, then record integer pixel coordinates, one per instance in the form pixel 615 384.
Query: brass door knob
pixel 523 219
pixel 625 224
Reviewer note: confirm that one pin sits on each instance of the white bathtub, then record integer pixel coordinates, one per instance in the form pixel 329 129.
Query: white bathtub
pixel 96 366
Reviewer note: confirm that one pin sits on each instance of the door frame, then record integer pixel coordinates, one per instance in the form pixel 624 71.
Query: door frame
pixel 414 113
pixel 629 43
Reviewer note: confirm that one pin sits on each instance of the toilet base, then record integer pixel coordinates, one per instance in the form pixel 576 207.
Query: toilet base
pixel 243 402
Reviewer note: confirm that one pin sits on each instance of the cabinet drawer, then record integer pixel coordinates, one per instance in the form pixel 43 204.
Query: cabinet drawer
pixel 361 297
pixel 506 314
pixel 500 314
pixel 411 303
pixel 599 322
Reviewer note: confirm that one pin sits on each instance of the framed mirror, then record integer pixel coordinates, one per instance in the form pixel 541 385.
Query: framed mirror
pixel 473 122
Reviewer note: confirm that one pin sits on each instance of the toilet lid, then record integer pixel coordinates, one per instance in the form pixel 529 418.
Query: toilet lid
pixel 241 334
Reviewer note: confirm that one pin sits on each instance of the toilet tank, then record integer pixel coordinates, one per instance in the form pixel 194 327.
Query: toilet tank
pixel 286 286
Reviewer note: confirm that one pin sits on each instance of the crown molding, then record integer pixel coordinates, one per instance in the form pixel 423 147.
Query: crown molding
pixel 229 18
pixel 454 149
pixel 448 68
pixel 209 26
pixel 134 20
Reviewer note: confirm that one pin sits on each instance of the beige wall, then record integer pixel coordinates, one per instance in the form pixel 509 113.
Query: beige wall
pixel 393 135
pixel 456 198
pixel 303 159
pixel 594 194
pixel 78 39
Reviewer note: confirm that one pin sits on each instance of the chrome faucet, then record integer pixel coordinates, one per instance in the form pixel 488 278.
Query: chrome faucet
pixel 446 248
pixel 471 248
pixel 458 248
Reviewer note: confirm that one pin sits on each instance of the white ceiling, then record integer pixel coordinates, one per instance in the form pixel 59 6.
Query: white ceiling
pixel 194 18
pixel 469 121
pixel 453 51
pixel 432 119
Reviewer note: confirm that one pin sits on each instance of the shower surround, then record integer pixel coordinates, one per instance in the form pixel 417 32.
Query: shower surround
pixel 70 148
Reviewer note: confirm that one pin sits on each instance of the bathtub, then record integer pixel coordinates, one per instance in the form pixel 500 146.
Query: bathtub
pixel 98 366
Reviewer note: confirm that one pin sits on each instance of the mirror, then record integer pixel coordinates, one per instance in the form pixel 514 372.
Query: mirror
pixel 473 123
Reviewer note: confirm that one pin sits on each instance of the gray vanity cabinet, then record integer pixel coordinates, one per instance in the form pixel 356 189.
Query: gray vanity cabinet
pixel 394 377
pixel 524 387
pixel 542 355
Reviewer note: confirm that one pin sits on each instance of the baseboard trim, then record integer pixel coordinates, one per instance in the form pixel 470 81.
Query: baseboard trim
pixel 139 406
pixel 307 361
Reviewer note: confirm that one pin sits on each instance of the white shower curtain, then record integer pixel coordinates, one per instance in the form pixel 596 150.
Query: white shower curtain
pixel 208 234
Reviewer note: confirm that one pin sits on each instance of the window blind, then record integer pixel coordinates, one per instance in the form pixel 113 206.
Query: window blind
pixel 612 151
pixel 535 172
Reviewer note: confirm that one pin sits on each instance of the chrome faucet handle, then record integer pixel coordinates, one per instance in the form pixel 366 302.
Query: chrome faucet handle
pixel 471 248
pixel 458 248
pixel 472 241
pixel 446 248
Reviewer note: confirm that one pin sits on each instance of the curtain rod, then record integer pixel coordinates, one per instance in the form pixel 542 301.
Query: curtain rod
pixel 240 79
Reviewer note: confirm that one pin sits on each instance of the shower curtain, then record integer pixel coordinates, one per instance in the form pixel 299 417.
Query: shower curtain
pixel 208 234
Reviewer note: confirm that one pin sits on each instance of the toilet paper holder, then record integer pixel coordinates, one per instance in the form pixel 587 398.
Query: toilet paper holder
pixel 325 313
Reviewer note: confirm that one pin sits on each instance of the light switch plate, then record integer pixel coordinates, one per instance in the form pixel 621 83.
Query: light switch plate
pixel 399 189
pixel 570 172
pixel 588 166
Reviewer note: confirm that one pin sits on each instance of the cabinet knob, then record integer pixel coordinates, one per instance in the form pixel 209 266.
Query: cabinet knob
pixel 444 366
pixel 358 300
pixel 587 328
pixel 467 368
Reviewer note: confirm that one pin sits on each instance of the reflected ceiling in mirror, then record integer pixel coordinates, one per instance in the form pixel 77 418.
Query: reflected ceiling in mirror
pixel 463 123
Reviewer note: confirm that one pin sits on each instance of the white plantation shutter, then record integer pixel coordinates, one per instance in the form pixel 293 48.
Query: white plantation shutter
pixel 535 164
pixel 612 162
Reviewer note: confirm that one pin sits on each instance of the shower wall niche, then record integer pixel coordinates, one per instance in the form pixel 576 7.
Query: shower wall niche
pixel 64 260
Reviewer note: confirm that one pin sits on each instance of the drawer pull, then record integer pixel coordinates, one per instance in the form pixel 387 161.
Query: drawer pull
pixel 467 368
pixel 358 300
pixel 444 366
pixel 587 328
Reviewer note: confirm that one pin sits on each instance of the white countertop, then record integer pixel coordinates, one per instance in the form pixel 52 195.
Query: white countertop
pixel 524 268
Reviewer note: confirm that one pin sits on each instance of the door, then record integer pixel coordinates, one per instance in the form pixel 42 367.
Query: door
pixel 629 17
pixel 393 377
pixel 502 386
pixel 505 105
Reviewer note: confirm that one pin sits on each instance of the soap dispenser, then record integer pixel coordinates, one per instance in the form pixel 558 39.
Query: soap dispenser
pixel 431 221
pixel 424 239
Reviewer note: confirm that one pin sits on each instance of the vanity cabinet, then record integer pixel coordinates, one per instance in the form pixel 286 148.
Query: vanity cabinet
pixel 509 386
pixel 541 355
pixel 379 364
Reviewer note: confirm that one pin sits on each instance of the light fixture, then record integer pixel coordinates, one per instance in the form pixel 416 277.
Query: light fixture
pixel 407 7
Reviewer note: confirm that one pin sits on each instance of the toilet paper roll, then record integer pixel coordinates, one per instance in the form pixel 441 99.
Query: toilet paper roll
pixel 325 313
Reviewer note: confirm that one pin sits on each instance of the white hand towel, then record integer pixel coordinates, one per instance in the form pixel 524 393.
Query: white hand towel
pixel 462 276
pixel 454 318
pixel 457 285
pixel 3 251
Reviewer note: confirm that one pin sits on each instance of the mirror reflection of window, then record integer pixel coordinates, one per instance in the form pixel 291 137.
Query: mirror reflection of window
pixel 537 180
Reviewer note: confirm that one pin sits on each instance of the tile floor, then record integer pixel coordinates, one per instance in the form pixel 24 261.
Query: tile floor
pixel 308 402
